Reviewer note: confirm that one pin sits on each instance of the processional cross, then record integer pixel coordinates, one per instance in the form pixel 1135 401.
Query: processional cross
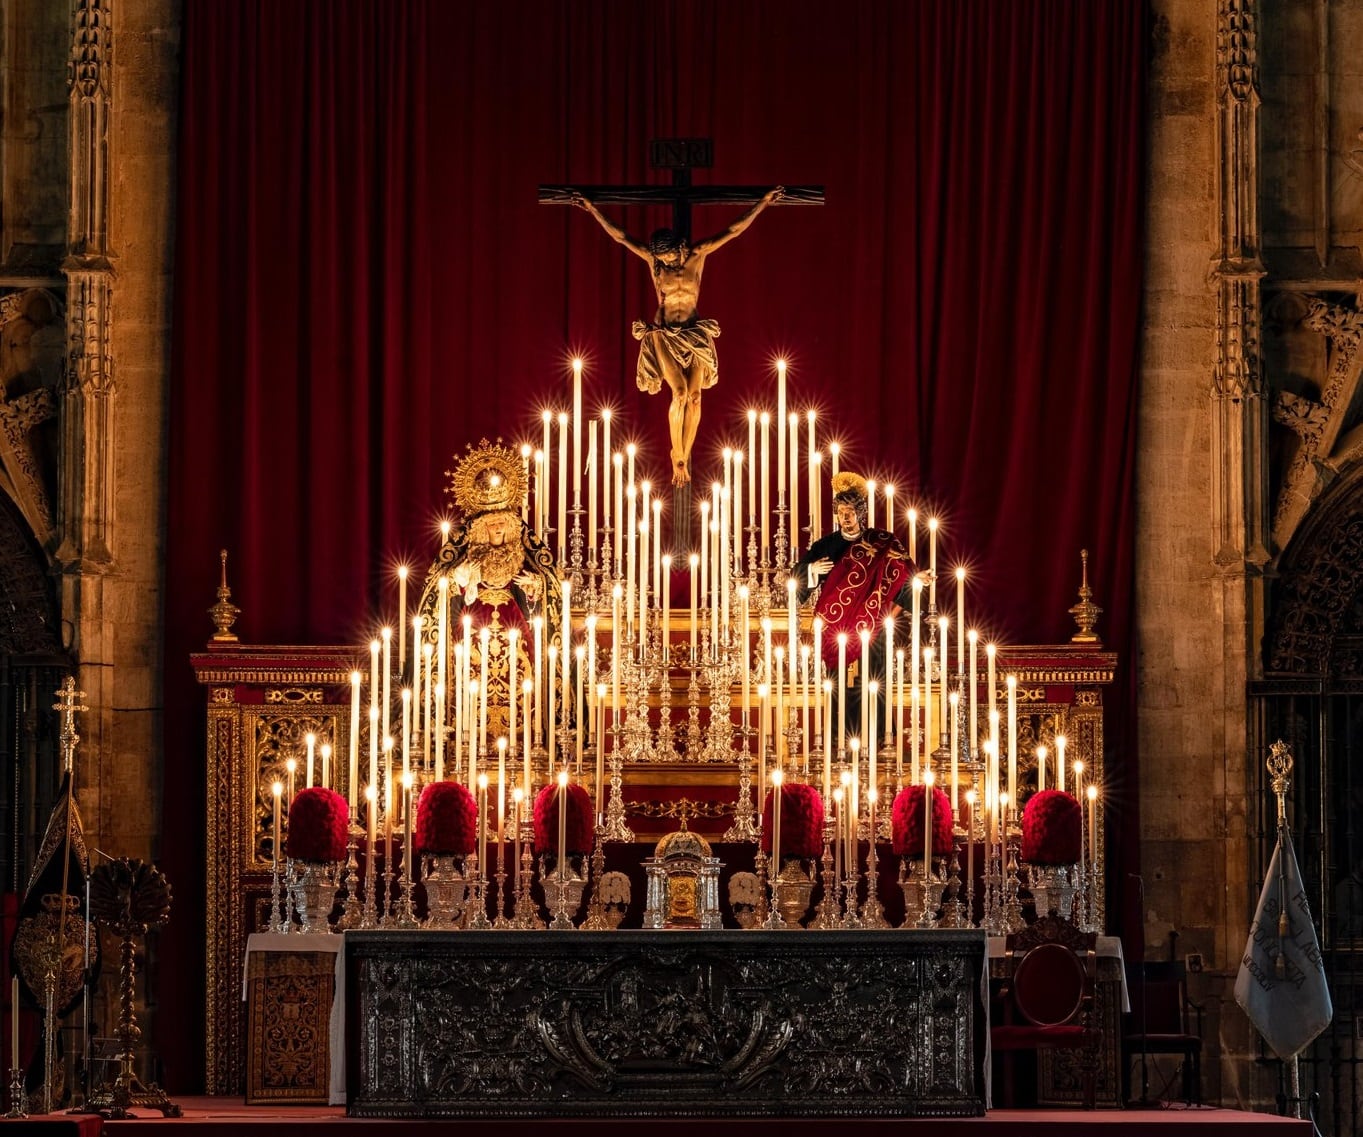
pixel 677 347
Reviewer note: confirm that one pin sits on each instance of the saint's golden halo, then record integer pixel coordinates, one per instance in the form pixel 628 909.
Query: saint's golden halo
pixel 487 478
pixel 847 482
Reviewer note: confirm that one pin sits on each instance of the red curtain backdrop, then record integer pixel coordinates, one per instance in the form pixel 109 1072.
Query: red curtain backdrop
pixel 365 283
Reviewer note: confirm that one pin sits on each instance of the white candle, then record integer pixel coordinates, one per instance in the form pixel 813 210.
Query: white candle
pixel 291 765
pixel 310 740
pixel 630 451
pixel 1012 737
pixel 834 452
pixel 1092 794
pixel 501 786
pixel 326 765
pixel 537 623
pixel 667 608
pixel 927 824
pixel 794 485
pixel 766 488
pixel 541 488
pixel 928 745
pixel 1060 761
pixel 406 730
pixel 804 706
pixel 527 692
pixel 762 691
pixel 606 467
pixel 736 508
pixel 551 717
pixel 942 672
pixel 842 692
pixel 694 562
pixel 591 491
pixel 889 508
pixel 777 777
pixel 705 553
pixel 915 655
pixel 618 462
pixel 579 708
pixel 600 749
pixel 827 716
pixel 631 535
pixel 960 620
pixel 513 636
pixel 566 632
pixel 616 594
pixel 577 433
pixel 913 535
pixel 812 462
pixel 932 564
pixel 402 618
pixel 483 637
pixel 277 788
pixel 562 534
pixel 752 466
pixel 482 826
pixel 657 561
pixel 525 475
pixel 778 742
pixel 899 718
pixel 1041 754
pixel 955 744
pixel 373 744
pixel 427 701
pixel 891 724
pixel 871 503
pixel 974 637
pixel 780 435
pixel 744 663
pixel 547 418
pixel 562 823
pixel 865 669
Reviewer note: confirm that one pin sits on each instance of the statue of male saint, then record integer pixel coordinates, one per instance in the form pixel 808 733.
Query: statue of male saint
pixel 678 347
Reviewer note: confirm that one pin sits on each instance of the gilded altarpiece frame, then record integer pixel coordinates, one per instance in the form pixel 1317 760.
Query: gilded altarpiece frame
pixel 262 702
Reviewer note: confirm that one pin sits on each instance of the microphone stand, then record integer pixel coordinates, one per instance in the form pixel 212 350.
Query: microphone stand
pixel 1144 1101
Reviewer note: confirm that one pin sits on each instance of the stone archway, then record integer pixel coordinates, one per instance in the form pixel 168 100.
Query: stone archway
pixel 1318 588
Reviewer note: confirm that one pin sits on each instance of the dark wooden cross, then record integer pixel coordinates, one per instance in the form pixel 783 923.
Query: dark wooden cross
pixel 681 156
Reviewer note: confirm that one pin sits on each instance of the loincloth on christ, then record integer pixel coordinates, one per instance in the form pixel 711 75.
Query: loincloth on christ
pixel 691 346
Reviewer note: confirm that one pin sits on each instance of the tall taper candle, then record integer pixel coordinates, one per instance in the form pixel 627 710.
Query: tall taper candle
pixel 932 564
pixel 780 432
pixel 667 608
pixel 871 484
pixel 842 693
pixel 960 620
pixel 277 853
pixel 311 740
pixel 1060 761
pixel 1012 737
pixel 927 829
pixel 326 766
pixel 777 777
pixel 694 562
pixel 605 466
pixel 765 511
pixel 577 433
pixel 353 769
pixel 561 537
pixel 402 618
pixel 752 466
pixel 562 824
pixel 593 461
pixel 974 637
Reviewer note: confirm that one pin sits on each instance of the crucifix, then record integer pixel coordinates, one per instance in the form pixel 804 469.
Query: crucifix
pixel 678 346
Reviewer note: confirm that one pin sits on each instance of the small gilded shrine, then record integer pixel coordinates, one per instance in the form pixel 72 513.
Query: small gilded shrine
pixel 683 883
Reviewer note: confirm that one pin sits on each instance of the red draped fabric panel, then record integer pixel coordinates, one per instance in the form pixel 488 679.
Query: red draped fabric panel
pixel 365 282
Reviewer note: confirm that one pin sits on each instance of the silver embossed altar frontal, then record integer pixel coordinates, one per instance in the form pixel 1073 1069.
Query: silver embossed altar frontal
pixel 643 1023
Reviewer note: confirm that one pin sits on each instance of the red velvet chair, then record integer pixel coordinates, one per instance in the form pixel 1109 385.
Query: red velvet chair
pixel 1046 999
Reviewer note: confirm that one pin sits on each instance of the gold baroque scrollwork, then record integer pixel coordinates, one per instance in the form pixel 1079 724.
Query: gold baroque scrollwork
pixel 682 808
pixel 293 695
pixel 1031 694
pixel 223 696
pixel 275 738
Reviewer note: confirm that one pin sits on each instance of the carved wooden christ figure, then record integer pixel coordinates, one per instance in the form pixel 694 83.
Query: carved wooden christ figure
pixel 678 347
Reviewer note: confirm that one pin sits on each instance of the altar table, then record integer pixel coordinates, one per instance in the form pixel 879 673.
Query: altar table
pixel 646 1023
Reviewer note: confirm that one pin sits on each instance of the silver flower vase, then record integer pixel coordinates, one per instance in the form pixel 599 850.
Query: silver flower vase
pixel 922 893
pixel 1052 889
pixel 315 896
pixel 446 891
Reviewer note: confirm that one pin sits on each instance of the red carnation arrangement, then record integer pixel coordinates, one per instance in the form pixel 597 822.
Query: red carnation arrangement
pixel 801 820
pixel 319 823
pixel 446 820
pixel 581 823
pixel 907 822
pixel 1052 828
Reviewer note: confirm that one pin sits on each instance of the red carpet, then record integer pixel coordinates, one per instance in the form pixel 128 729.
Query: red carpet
pixel 221 1116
